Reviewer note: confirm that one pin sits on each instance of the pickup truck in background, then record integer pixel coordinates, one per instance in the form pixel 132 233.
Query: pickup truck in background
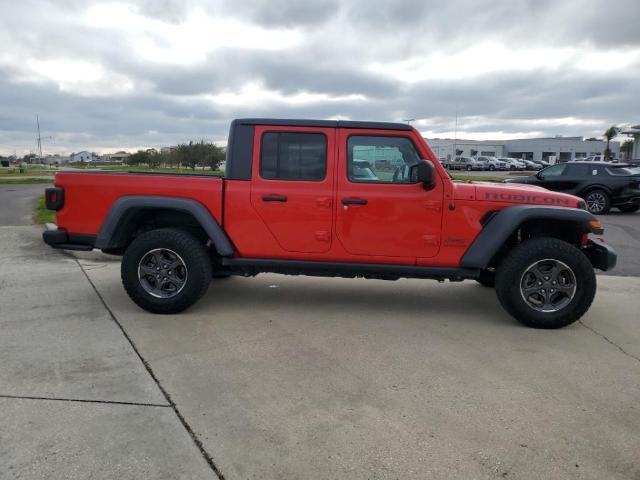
pixel 333 198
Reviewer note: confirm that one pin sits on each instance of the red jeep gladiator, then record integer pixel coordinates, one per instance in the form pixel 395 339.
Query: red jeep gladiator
pixel 333 198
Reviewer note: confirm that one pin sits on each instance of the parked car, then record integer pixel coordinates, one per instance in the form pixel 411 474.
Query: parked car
pixel 531 165
pixel 595 158
pixel 291 203
pixel 542 163
pixel 513 163
pixel 601 185
pixel 465 163
pixel 492 163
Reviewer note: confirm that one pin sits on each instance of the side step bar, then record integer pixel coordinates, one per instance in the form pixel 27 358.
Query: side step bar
pixel 253 266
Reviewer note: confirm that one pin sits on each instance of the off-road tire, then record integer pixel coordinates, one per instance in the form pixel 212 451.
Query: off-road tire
pixel 196 260
pixel 487 278
pixel 629 208
pixel 510 275
pixel 600 194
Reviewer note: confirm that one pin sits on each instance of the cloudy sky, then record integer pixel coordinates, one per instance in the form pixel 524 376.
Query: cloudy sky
pixel 110 75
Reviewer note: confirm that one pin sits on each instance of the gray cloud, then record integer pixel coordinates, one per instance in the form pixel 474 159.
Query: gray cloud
pixel 166 103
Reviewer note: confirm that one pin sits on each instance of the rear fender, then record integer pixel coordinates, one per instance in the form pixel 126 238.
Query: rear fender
pixel 111 233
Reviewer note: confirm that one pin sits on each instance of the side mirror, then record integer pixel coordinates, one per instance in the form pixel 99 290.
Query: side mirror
pixel 422 172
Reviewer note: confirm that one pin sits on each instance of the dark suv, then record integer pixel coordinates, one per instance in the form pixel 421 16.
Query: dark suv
pixel 601 185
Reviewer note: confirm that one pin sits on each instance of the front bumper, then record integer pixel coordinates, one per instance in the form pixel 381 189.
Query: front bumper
pixel 56 238
pixel 601 255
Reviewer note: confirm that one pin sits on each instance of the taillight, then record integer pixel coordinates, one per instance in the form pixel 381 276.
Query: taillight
pixel 54 198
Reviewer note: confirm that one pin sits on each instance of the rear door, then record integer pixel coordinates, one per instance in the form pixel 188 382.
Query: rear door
pixel 292 185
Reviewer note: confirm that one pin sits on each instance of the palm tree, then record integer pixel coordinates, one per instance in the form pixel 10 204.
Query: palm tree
pixel 609 134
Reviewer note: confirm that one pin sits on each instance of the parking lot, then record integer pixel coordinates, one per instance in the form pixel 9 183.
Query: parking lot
pixel 296 377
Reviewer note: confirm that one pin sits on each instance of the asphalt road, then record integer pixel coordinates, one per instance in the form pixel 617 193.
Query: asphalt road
pixel 17 202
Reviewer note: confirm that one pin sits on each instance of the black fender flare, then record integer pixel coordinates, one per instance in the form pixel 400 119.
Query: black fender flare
pixel 506 221
pixel 596 186
pixel 108 235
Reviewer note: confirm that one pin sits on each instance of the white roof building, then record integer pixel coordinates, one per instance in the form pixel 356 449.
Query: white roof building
pixel 563 149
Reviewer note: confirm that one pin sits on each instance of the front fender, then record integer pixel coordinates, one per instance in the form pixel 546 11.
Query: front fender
pixel 508 220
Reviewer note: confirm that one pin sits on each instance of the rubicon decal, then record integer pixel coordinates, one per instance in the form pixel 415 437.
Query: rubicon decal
pixel 510 197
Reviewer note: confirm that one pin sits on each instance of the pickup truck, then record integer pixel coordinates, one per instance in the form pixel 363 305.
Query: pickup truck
pixel 333 198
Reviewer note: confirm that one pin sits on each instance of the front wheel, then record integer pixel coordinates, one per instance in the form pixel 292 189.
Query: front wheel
pixel 491 168
pixel 546 283
pixel 166 270
pixel 598 201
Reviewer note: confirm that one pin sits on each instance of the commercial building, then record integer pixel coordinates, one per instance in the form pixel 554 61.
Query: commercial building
pixel 560 149
pixel 634 132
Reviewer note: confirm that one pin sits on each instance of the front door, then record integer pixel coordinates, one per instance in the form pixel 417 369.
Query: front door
pixel 380 211
pixel 292 185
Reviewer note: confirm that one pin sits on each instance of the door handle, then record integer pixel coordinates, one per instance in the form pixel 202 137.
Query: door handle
pixel 274 198
pixel 354 201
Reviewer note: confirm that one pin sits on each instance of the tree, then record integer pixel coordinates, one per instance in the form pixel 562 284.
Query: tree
pixel 200 153
pixel 141 157
pixel 609 134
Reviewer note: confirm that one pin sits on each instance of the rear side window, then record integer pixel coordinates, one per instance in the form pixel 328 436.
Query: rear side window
pixel 293 156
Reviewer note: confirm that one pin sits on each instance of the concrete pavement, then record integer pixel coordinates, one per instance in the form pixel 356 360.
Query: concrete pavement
pixel 76 401
pixel 285 377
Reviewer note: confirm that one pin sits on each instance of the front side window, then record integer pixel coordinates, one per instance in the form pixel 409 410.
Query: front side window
pixel 380 159
pixel 293 156
pixel 554 170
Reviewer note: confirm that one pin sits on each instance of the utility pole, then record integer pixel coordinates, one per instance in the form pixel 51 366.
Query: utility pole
pixel 455 136
pixel 39 138
pixel 409 120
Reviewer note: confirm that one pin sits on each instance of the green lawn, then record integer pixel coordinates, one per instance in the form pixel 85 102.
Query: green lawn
pixel 41 215
pixel 23 181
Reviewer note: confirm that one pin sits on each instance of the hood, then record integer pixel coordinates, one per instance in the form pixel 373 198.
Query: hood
pixel 513 193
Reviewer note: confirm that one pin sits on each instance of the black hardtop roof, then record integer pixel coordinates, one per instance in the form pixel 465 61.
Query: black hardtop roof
pixel 323 123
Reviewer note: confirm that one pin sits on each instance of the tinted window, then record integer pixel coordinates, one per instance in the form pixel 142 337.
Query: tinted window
pixel 623 171
pixel 579 170
pixel 380 159
pixel 554 170
pixel 293 156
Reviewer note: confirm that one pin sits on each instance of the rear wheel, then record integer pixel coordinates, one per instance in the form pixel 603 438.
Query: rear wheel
pixel 546 283
pixel 629 208
pixel 166 270
pixel 598 201
pixel 468 168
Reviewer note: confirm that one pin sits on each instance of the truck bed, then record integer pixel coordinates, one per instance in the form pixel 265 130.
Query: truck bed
pixel 90 195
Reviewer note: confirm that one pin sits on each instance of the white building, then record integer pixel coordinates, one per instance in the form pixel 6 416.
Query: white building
pixel 83 156
pixel 116 157
pixel 562 148
pixel 635 133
